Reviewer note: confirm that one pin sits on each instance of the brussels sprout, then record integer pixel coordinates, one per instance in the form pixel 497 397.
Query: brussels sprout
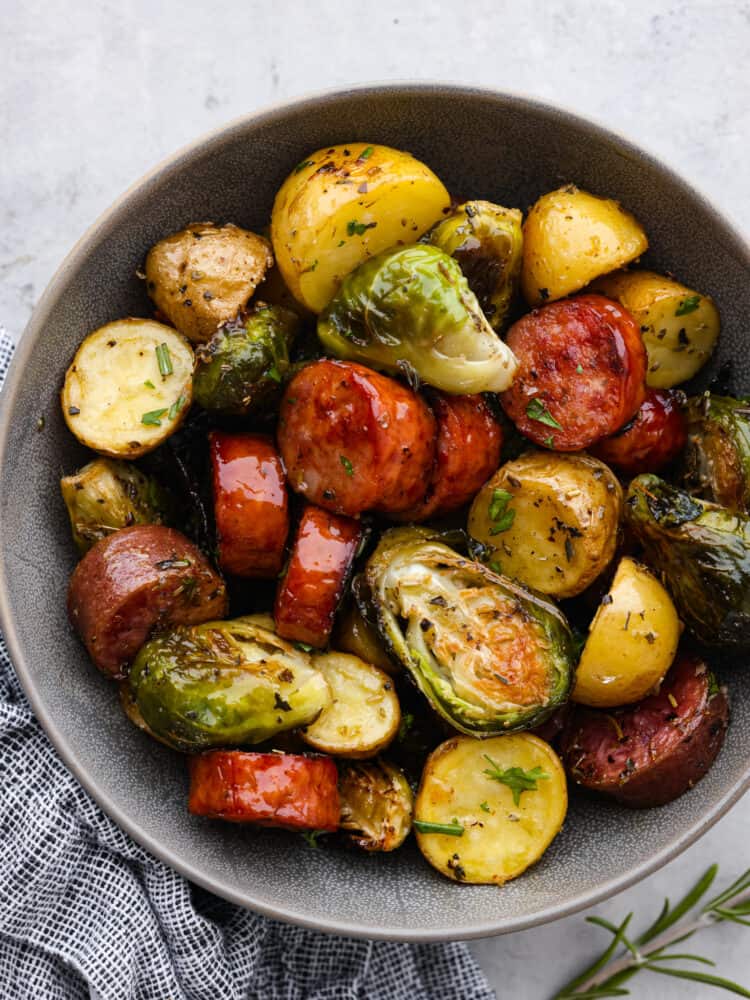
pixel 717 457
pixel 376 805
pixel 241 369
pixel 487 242
pixel 411 310
pixel 107 495
pixel 703 554
pixel 224 683
pixel 488 655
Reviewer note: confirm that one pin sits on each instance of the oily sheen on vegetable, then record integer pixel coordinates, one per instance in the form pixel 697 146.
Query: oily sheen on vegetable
pixel 352 532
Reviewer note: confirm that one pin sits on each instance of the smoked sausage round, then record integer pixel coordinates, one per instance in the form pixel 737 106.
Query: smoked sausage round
pixel 653 438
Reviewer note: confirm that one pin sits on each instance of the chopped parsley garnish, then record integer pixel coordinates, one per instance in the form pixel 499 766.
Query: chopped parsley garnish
pixel 164 360
pixel 484 807
pixel 301 166
pixel 518 780
pixel 504 523
pixel 366 153
pixel 153 417
pixel 453 829
pixel 354 228
pixel 549 441
pixel 579 369
pixel 348 467
pixel 304 647
pixel 536 410
pixel 496 567
pixel 688 305
pixel 501 517
pixel 149 384
pixel 311 836
pixel 175 408
pixel 274 373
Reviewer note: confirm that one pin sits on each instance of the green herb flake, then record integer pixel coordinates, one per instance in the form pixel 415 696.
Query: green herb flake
pixel 175 408
pixel 688 305
pixel 453 829
pixel 274 373
pixel 484 807
pixel 301 166
pixel 348 467
pixel 579 369
pixel 153 417
pixel 407 721
pixel 164 360
pixel 366 153
pixel 149 384
pixel 503 523
pixel 496 567
pixel 311 836
pixel 354 228
pixel 341 243
pixel 536 410
pixel 498 503
pixel 304 647
pixel 518 780
pixel 549 441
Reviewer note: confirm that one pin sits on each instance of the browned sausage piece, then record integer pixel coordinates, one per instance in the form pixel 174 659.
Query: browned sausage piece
pixel 354 440
pixel 650 753
pixel 133 581
pixel 469 440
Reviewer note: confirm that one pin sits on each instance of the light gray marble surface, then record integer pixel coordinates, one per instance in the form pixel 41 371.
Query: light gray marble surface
pixel 94 94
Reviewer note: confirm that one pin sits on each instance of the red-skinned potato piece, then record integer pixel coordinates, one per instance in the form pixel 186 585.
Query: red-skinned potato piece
pixel 291 791
pixel 469 440
pixel 650 753
pixel 251 505
pixel 653 438
pixel 582 366
pixel 134 581
pixel 354 440
pixel 313 585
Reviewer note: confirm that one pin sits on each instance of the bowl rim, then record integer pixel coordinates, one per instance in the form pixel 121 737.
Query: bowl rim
pixel 75 257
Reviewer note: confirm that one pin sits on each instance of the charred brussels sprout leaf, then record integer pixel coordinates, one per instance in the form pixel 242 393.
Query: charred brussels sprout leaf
pixel 717 457
pixel 242 367
pixel 376 805
pixel 487 242
pixel 224 683
pixel 488 655
pixel 107 495
pixel 411 310
pixel 703 553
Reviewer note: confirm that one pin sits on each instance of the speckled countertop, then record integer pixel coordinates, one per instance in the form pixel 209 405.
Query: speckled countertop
pixel 92 94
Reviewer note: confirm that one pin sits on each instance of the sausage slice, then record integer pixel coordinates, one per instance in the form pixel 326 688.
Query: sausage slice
pixel 650 753
pixel 654 438
pixel 353 440
pixel 272 789
pixel 581 375
pixel 133 581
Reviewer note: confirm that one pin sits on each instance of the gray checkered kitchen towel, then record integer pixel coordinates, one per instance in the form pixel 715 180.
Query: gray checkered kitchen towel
pixel 84 911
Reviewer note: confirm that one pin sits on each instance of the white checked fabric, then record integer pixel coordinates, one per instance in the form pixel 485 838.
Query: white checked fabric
pixel 84 911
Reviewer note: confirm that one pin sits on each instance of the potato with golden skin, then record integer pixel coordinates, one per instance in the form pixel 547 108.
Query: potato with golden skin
pixel 344 204
pixel 204 275
pixel 632 641
pixel 571 237
pixel 549 520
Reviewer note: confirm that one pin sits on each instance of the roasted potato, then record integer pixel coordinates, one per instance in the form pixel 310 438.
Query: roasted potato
pixel 128 387
pixel 346 203
pixel 571 237
pixel 202 276
pixel 680 326
pixel 488 809
pixel 551 521
pixel 364 713
pixel 632 642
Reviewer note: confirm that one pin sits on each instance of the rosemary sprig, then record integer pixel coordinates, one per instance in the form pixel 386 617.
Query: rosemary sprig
pixel 625 956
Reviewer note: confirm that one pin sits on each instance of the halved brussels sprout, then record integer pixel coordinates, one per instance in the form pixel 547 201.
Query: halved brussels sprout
pixel 702 552
pixel 224 683
pixel 376 804
pixel 106 495
pixel 487 242
pixel 717 457
pixel 411 310
pixel 488 655
pixel 242 367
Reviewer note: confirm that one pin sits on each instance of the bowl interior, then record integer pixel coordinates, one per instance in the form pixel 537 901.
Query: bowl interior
pixel 482 145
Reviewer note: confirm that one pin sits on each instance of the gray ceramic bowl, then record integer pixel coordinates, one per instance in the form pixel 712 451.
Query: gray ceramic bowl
pixel 481 144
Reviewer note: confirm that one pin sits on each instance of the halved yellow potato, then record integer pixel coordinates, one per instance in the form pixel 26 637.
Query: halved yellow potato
pixel 632 641
pixel 680 326
pixel 549 520
pixel 502 827
pixel 571 237
pixel 364 713
pixel 128 387
pixel 346 203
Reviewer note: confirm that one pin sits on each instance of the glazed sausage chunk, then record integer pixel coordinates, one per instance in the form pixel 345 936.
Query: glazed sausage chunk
pixel 319 567
pixel 133 581
pixel 654 438
pixel 650 753
pixel 469 440
pixel 250 504
pixel 272 789
pixel 353 440
pixel 582 372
